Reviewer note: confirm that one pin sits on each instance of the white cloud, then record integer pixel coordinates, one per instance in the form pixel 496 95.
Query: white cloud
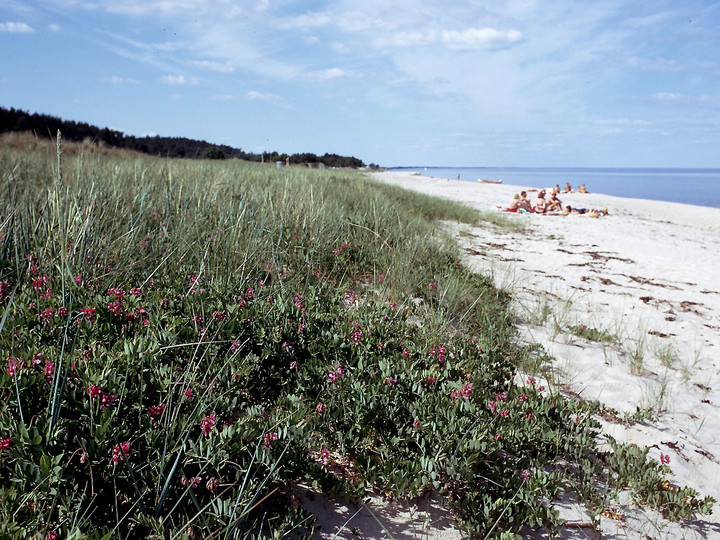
pixel 119 80
pixel 16 28
pixel 259 96
pixel 479 38
pixel 330 74
pixel 178 80
pixel 675 98
pixel 222 67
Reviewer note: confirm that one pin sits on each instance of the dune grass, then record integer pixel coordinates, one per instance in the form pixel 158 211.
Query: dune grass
pixel 185 339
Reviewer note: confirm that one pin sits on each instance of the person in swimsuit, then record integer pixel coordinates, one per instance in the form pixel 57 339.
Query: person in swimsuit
pixel 540 204
pixel 524 203
pixel 553 203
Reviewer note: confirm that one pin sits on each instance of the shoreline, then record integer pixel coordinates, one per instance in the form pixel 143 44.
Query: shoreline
pixel 485 196
pixel 628 307
pixel 612 179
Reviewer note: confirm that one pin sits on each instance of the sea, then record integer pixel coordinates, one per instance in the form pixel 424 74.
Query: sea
pixel 699 187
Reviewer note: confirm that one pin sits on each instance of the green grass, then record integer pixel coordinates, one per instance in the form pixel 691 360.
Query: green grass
pixel 169 320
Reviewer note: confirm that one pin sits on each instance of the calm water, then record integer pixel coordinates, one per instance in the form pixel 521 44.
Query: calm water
pixel 700 187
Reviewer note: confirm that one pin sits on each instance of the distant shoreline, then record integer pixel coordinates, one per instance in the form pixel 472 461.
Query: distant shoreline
pixel 697 187
pixel 489 196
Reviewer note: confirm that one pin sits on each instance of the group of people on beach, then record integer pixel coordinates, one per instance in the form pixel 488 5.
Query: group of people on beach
pixel 551 205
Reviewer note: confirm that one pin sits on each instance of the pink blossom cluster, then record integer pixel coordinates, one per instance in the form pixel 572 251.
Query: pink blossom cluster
pixel 119 452
pixel 269 438
pixel 337 373
pixel 4 288
pixel 193 481
pixel 440 352
pixel 39 283
pixel 344 246
pixel 89 314
pixel 207 425
pixel 107 401
pixel 155 412
pixel 465 392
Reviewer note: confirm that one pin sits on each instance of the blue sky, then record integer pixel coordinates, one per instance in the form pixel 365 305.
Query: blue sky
pixel 411 82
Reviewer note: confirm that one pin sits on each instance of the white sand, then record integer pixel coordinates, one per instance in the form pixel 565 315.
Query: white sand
pixel 649 274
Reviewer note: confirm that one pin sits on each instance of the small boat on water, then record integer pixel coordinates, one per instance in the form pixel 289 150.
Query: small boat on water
pixel 489 181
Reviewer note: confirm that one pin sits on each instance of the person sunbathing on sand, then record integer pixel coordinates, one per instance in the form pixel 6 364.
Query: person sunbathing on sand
pixel 568 188
pixel 540 204
pixel 582 189
pixel 514 204
pixel 524 203
pixel 553 203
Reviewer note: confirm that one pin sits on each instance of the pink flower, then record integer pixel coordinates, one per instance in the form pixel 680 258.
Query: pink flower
pixel 12 367
pixel 189 394
pixel 119 452
pixel 324 454
pixel 466 391
pixel 321 407
pixel 107 401
pixel 47 315
pixel 212 484
pixel 405 352
pixel 5 444
pixel 664 458
pixel 390 381
pixel 155 411
pixel 432 286
pixel 417 424
pixel 522 397
pixel 51 535
pixel 269 438
pixel 526 474
pixel 89 313
pixel 338 373
pixel 94 392
pixel 207 424
pixel 49 370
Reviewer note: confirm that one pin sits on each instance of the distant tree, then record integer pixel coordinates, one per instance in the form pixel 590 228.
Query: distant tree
pixel 213 152
pixel 44 125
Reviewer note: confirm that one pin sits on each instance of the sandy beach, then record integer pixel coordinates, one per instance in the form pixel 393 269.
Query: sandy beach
pixel 628 307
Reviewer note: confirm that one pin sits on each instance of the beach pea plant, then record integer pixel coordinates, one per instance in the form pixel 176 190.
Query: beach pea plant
pixel 183 341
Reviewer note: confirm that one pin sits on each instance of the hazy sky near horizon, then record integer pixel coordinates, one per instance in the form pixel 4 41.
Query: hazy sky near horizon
pixel 412 82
